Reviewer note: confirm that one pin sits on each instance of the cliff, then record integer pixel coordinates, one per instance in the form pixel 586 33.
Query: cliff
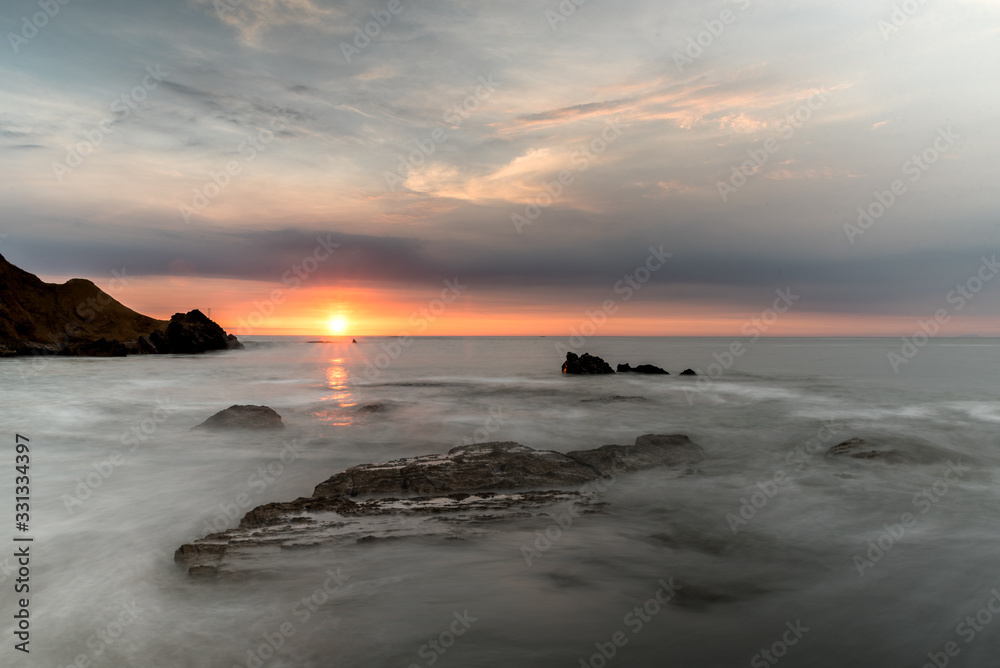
pixel 78 318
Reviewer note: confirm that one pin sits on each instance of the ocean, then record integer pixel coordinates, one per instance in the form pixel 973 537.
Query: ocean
pixel 769 551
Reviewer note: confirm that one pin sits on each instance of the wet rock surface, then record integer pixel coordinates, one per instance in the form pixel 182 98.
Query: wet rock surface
pixel 244 417
pixel 445 496
pixel 885 451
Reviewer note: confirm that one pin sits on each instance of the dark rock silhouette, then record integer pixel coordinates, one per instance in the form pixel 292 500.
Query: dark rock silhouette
pixel 585 364
pixel 642 368
pixel 78 318
pixel 193 332
pixel 688 372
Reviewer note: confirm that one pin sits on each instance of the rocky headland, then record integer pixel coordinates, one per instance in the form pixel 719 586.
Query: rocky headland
pixel 77 318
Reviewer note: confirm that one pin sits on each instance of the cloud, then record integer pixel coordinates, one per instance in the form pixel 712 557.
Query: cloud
pixel 252 19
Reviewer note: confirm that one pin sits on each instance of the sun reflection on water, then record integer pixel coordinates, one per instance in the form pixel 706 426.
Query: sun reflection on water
pixel 340 395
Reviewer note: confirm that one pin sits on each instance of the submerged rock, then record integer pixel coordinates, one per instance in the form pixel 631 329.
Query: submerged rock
pixel 585 364
pixel 904 451
pixel 649 451
pixel 445 495
pixel 613 398
pixel 244 417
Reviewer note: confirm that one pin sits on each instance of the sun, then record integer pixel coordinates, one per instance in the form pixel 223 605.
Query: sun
pixel 337 325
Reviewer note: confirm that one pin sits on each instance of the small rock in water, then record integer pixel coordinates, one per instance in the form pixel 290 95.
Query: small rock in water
pixel 644 368
pixel 613 397
pixel 688 372
pixel 244 417
pixel 904 451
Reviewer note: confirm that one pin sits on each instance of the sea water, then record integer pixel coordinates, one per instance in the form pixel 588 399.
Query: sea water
pixel 766 552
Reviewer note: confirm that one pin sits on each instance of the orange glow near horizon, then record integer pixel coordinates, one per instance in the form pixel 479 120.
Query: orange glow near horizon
pixel 258 308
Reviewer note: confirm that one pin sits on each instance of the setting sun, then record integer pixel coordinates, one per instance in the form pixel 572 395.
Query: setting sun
pixel 337 325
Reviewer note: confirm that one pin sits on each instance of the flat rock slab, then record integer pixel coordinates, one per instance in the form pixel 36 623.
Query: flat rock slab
pixel 268 531
pixel 467 468
pixel 244 417
pixel 466 487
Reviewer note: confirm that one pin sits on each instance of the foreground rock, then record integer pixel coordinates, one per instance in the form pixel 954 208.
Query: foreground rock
pixel 444 495
pixel 77 318
pixel 244 417
pixel 585 364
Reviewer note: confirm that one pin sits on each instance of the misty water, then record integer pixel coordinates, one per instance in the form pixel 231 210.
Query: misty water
pixel 105 590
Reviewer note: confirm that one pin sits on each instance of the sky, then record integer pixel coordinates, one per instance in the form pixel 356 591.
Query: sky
pixel 510 167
